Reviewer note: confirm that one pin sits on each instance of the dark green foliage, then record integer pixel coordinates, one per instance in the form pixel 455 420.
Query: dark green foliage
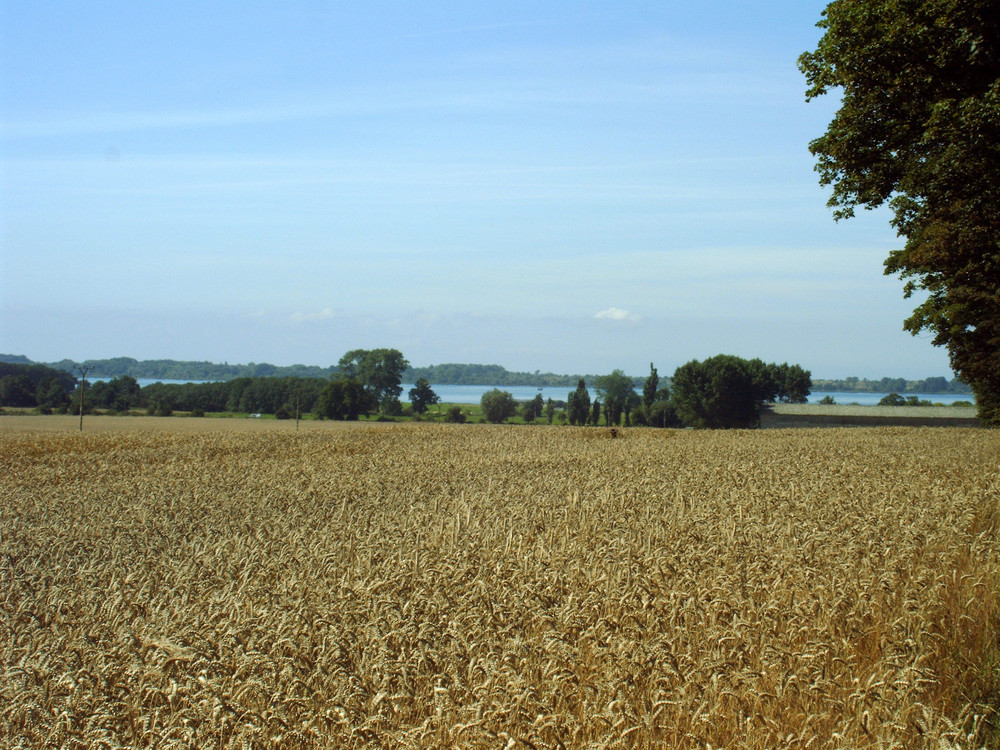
pixel 918 128
pixel 595 412
pixel 794 383
pixel 531 410
pixel 161 406
pixel 618 392
pixel 550 410
pixel 51 395
pixel 455 414
pixel 16 390
pixel 892 399
pixel 650 387
pixel 578 404
pixel 118 394
pixel 422 396
pixel 390 407
pixel 24 384
pixel 662 414
pixel 344 398
pixel 827 400
pixel 899 385
pixel 242 395
pixel 789 384
pixel 473 374
pixel 169 369
pixel 498 406
pixel 380 371
pixel 726 391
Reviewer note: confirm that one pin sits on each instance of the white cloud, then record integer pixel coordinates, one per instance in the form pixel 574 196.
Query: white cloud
pixel 616 313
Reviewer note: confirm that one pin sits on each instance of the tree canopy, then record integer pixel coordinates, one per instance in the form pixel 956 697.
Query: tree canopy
pixel 918 129
pixel 380 371
pixel 422 396
pixel 727 391
pixel 343 398
pixel 498 406
pixel 618 392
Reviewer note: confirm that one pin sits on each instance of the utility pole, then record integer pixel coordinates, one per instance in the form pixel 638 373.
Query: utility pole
pixel 83 390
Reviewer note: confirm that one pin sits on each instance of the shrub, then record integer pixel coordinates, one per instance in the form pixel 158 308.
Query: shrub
pixel 498 406
pixel 892 399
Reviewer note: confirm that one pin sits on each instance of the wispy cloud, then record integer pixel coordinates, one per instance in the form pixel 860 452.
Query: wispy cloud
pixel 617 314
pixel 305 317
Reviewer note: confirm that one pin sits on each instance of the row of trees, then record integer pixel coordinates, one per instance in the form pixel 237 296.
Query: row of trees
pixel 169 369
pixel 893 385
pixel 284 397
pixel 722 391
pixel 32 385
pixel 473 374
pixel 364 382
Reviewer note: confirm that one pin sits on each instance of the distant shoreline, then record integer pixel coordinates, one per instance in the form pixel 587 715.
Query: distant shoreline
pixel 452 374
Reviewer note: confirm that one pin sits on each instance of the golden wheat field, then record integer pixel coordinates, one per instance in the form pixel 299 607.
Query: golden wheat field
pixel 454 586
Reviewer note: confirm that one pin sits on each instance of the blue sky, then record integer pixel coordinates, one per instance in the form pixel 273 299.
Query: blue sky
pixel 562 186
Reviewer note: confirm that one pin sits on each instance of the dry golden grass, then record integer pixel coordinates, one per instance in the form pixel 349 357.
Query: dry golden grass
pixel 477 586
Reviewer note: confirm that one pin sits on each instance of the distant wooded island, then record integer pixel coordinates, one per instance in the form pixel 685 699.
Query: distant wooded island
pixel 451 374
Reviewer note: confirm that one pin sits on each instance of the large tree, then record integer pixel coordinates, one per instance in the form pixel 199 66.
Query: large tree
pixel 718 392
pixel 919 129
pixel 381 372
pixel 727 391
pixel 618 392
pixel 498 405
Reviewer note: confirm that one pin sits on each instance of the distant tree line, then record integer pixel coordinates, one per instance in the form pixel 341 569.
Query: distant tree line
pixel 265 395
pixel 453 374
pixel 34 385
pixel 468 374
pixel 894 385
pixel 50 390
pixel 168 369
pixel 723 391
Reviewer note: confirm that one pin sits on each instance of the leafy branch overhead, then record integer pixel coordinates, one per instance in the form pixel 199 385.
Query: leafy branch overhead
pixel 918 130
